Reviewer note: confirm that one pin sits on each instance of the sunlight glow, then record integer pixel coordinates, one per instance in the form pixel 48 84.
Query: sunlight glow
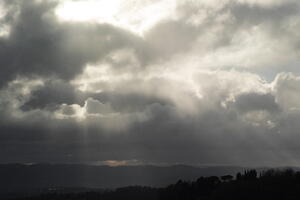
pixel 88 10
pixel 130 14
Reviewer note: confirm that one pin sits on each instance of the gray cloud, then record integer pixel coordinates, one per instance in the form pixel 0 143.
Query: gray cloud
pixel 254 101
pixel 171 37
pixel 88 91
pixel 38 45
pixel 52 94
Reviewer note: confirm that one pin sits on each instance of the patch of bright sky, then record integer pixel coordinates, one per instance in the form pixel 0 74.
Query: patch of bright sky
pixel 133 15
pixel 4 28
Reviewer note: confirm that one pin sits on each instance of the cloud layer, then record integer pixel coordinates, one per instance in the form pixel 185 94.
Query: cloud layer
pixel 203 82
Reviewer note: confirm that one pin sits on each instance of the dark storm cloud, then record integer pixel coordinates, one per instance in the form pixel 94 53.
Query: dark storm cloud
pixel 131 102
pixel 251 14
pixel 215 136
pixel 39 45
pixel 53 94
pixel 133 112
pixel 56 92
pixel 255 102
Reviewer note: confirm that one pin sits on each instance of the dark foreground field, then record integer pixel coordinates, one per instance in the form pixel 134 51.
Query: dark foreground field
pixel 267 185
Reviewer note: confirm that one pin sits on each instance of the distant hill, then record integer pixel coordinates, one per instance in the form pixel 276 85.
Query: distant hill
pixel 23 179
pixel 270 184
pixel 20 177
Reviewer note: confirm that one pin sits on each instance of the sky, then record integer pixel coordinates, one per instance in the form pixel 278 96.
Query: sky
pixel 163 82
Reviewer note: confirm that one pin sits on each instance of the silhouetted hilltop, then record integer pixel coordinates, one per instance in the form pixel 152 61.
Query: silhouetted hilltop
pixel 21 178
pixel 249 185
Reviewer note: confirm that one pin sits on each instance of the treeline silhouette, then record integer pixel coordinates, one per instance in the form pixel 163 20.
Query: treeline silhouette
pixel 271 184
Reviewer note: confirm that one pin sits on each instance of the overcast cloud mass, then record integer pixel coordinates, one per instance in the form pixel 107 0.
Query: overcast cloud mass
pixel 150 82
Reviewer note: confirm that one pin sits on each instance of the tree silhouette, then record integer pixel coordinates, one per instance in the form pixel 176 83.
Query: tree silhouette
pixel 226 178
pixel 270 184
